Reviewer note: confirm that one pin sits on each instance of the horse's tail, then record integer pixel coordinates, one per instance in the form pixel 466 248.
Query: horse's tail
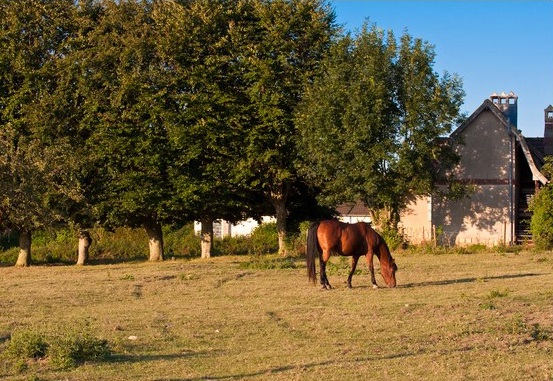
pixel 312 251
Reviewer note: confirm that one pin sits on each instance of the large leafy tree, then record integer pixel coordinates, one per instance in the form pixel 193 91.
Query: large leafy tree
pixel 287 42
pixel 36 170
pixel 207 109
pixel 371 124
pixel 123 88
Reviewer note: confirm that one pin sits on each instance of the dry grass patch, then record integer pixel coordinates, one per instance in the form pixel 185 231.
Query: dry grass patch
pixel 456 317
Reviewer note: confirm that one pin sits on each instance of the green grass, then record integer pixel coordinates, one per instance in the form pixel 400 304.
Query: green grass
pixel 254 318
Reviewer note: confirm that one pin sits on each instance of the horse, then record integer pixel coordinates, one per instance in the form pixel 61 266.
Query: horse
pixel 352 240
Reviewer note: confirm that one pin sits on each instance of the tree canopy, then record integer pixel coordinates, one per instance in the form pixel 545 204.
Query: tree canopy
pixel 146 113
pixel 371 123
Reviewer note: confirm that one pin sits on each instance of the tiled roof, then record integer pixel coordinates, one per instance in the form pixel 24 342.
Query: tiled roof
pixel 537 143
pixel 352 209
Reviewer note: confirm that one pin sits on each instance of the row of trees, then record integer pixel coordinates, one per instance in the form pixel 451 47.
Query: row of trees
pixel 143 113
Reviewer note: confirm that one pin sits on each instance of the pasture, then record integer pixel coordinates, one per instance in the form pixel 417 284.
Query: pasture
pixel 485 316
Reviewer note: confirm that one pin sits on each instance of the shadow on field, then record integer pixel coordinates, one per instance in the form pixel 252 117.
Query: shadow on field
pixel 155 357
pixel 297 368
pixel 466 280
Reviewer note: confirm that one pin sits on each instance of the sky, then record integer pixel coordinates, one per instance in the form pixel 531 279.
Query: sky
pixel 494 46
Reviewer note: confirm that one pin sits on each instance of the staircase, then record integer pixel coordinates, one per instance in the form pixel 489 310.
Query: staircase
pixel 523 217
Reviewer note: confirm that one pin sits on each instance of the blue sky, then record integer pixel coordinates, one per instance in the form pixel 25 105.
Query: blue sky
pixel 495 46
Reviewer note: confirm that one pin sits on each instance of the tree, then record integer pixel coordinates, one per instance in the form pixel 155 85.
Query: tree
pixel 371 123
pixel 208 109
pixel 287 42
pixel 123 88
pixel 35 171
pixel 541 206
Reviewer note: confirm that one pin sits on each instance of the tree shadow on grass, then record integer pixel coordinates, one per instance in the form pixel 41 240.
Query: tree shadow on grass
pixel 296 367
pixel 138 358
pixel 448 282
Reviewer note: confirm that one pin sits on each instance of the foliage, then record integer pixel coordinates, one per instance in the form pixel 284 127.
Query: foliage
pixel 122 114
pixel 181 241
pixel 36 169
pixel 541 224
pixel 285 47
pixel 26 344
pixel 264 239
pixel 394 239
pixel 62 350
pixel 371 123
pixel 74 347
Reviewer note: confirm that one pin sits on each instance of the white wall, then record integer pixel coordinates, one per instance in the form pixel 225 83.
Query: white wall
pixel 242 228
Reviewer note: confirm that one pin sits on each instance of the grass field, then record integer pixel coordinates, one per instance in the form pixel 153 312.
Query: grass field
pixel 484 316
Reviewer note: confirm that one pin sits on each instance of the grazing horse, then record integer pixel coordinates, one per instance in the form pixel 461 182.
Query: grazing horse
pixel 352 240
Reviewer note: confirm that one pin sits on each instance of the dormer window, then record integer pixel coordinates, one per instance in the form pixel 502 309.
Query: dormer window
pixel 511 101
pixel 503 101
pixel 550 115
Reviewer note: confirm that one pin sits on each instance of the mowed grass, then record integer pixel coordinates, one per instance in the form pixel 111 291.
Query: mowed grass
pixel 484 316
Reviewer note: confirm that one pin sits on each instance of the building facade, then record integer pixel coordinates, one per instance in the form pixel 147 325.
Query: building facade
pixel 501 170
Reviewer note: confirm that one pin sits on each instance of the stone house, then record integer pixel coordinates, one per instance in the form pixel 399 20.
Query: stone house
pixel 502 168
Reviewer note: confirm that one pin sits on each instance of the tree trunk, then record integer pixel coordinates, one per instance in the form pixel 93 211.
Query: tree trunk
pixel 280 208
pixel 155 240
pixel 206 236
pixel 84 243
pixel 24 258
pixel 279 199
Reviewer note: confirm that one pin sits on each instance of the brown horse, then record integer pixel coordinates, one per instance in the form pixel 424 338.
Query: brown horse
pixel 352 240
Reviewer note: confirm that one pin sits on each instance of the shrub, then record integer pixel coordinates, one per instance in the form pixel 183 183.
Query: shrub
pixel 26 344
pixel 74 347
pixel 181 241
pixel 541 225
pixel 393 237
pixel 264 239
pixel 297 243
pixel 62 350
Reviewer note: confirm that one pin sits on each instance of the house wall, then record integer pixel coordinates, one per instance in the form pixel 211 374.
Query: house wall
pixel 416 221
pixel 222 228
pixel 485 216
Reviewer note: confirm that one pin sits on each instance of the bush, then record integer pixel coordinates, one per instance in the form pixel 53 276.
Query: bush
pixel 541 225
pixel 65 350
pixel 393 238
pixel 264 239
pixel 74 348
pixel 181 241
pixel 26 344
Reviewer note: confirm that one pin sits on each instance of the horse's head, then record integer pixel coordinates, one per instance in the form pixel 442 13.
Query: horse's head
pixel 388 271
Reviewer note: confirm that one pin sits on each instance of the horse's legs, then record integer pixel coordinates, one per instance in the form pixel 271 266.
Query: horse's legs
pixel 325 255
pixel 370 256
pixel 354 261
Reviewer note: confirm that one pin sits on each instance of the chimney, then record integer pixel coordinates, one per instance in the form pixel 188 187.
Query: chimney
pixel 507 103
pixel 548 131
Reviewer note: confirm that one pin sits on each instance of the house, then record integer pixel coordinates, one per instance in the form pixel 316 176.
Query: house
pixel 222 228
pixel 502 168
pixel 353 212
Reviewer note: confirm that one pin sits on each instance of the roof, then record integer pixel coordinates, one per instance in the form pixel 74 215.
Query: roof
pixel 353 209
pixel 532 154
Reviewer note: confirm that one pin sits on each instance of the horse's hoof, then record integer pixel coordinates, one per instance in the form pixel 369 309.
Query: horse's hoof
pixel 375 286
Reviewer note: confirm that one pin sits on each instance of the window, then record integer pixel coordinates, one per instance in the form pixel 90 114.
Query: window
pixel 495 101
pixel 503 101
pixel 550 115
pixel 511 101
